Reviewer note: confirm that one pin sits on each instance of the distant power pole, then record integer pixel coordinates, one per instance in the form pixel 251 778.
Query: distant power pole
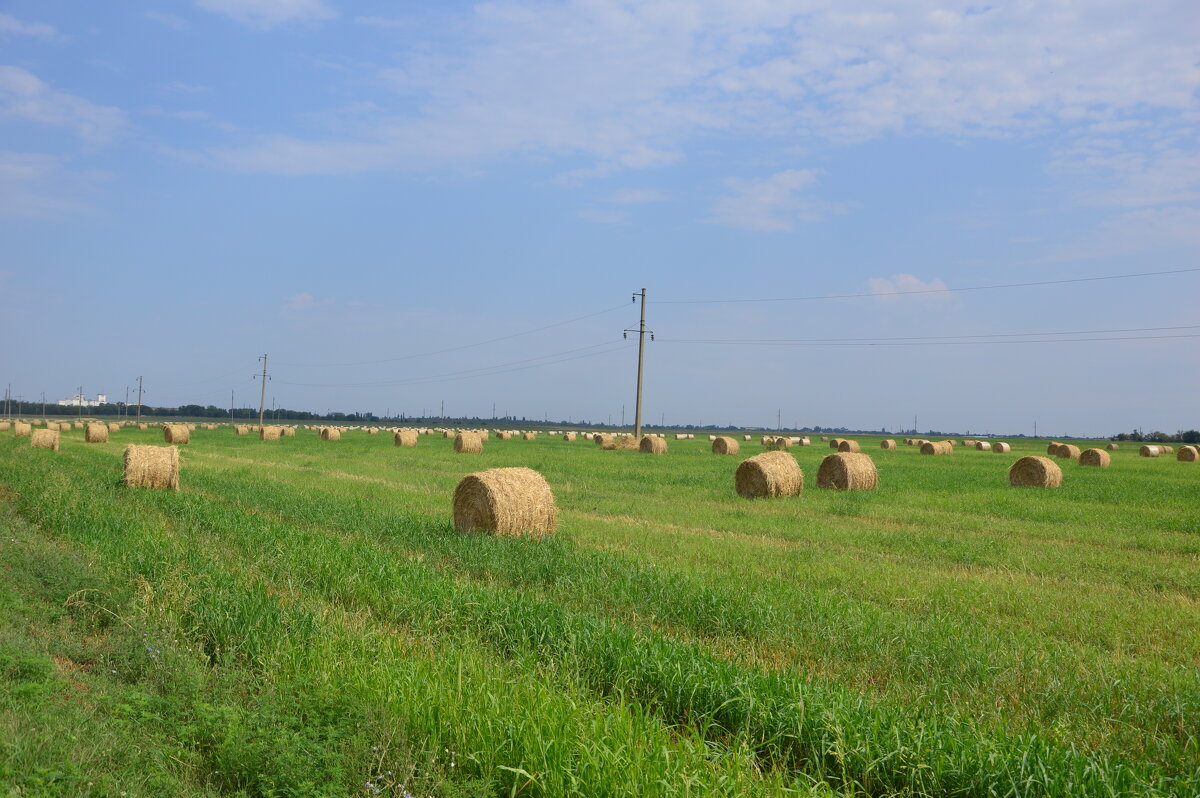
pixel 139 415
pixel 80 402
pixel 778 419
pixel 231 405
pixel 641 331
pixel 126 402
pixel 43 405
pixel 443 416
pixel 7 393
pixel 262 401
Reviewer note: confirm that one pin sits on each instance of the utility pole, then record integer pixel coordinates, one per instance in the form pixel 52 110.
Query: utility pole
pixel 779 419
pixel 641 331
pixel 1035 429
pixel 443 416
pixel 139 415
pixel 126 402
pixel 7 393
pixel 262 401
pixel 231 406
pixel 80 403
pixel 43 405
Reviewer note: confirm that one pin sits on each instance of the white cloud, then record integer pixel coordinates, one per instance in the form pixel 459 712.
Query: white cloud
pixel 24 96
pixel 267 14
pixel 769 204
pixel 10 24
pixel 300 302
pixel 35 185
pixel 1145 230
pixel 907 286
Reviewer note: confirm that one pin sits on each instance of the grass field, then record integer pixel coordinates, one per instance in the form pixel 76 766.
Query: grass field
pixel 301 619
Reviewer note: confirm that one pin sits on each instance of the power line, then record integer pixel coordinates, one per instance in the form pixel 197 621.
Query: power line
pixel 926 290
pixel 921 338
pixel 460 347
pixel 955 343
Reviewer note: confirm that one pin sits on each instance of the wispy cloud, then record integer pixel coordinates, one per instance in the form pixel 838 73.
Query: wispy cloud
pixel 1144 230
pixel 35 185
pixel 907 286
pixel 10 24
pixel 300 302
pixel 266 14
pixel 769 204
pixel 24 96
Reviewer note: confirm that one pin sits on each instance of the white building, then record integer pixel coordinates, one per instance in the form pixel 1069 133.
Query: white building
pixel 79 400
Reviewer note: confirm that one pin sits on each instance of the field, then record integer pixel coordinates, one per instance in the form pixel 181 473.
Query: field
pixel 301 618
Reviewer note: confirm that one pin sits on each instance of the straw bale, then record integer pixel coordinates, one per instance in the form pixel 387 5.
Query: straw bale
pixel 287 432
pixel 1149 451
pixel 503 435
pixel 143 427
pixel 652 444
pixel 745 437
pixel 152 467
pixel 805 442
pixel 769 475
pixel 725 445
pixel 626 443
pixel 848 471
pixel 242 429
pixel 505 501
pixel 1068 451
pixel 824 438
pixel 983 446
pixel 1035 472
pixel 1112 447
pixel 679 436
pixel 1001 447
pixel 5 426
pixel 937 447
pixel 176 433
pixel 484 435
pixel 113 427
pixel 270 434
pixel 447 434
pixel 48 439
pixel 569 436
pixel 835 443
pixel 604 440
pixel 1188 454
pixel 467 442
pixel 849 446
pixel 95 433
pixel 529 436
pixel 330 434
pixel 21 429
pixel 887 443
pixel 1165 449
pixel 1095 457
pixel 406 437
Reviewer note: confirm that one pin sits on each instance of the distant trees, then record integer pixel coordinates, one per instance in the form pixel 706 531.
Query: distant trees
pixel 1182 436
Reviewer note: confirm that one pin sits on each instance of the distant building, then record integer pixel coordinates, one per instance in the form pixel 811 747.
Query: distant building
pixel 79 400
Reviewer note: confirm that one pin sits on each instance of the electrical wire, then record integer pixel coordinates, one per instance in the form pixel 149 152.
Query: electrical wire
pixel 946 343
pixel 923 338
pixel 460 347
pixel 924 290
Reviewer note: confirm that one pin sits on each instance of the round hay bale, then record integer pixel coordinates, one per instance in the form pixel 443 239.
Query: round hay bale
pixel 783 442
pixel 604 440
pixel 679 436
pixel 447 434
pixel 766 441
pixel 5 426
pixel 849 446
pixel 1112 447
pixel 746 437
pixel 835 443
pixel 503 436
pixel 143 427
pixel 937 447
pixel 887 444
pixel 95 433
pixel 725 445
pixel 1068 451
pixel 505 501
pixel 1166 449
pixel 48 439
pixel 626 443
pixel 270 434
pixel 712 438
pixel 467 442
pixel 1052 448
pixel 1187 454
pixel 1149 451
pixel 983 446
pixel 330 434
pixel 288 432
pixel 152 467
pixel 848 471
pixel 529 436
pixel 177 433
pixel 113 427
pixel 652 444
pixel 77 425
pixel 22 430
pixel 1001 447
pixel 768 475
pixel 242 430
pixel 407 437
pixel 1095 457
pixel 805 442
pixel 1035 472
pixel 824 438
pixel 568 436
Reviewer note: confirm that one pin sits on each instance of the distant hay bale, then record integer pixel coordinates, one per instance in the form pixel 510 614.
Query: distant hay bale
pixel 407 437
pixel 783 442
pixel 569 436
pixel 152 467
pixel 848 471
pixel 1068 451
pixel 1001 447
pixel 176 433
pixel 270 434
pixel 1095 457
pixel 983 446
pixel 448 434
pixel 77 425
pixel 529 436
pixel 937 447
pixel 712 438
pixel 241 430
pixel 288 432
pixel 887 443
pixel 849 446
pixel 330 434
pixel 113 427
pixel 1112 447
pixel 805 442
pixel 143 427
pixel 679 436
pixel 835 443
pixel 1035 472
pixel 745 437
pixel 21 429
pixel 5 426
pixel 604 440
pixel 626 443
pixel 503 436
pixel 1052 448
pixel 48 439
pixel 467 442
pixel 1188 454
pixel 769 475
pixel 766 440
pixel 652 444
pixel 1166 449
pixel 505 501
pixel 1149 451
pixel 725 445
pixel 95 433
pixel 824 438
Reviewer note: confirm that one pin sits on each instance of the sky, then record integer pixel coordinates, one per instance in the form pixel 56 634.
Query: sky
pixel 411 205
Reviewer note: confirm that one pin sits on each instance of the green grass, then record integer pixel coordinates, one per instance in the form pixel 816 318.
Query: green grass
pixel 944 635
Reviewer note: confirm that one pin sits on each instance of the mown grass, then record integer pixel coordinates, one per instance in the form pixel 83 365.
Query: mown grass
pixel 943 635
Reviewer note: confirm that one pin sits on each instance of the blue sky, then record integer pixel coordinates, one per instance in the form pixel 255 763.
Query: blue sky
pixel 366 191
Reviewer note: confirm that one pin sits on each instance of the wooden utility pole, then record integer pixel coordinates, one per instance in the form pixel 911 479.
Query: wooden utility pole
pixel 641 331
pixel 79 402
pixel 43 405
pixel 139 415
pixel 263 399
